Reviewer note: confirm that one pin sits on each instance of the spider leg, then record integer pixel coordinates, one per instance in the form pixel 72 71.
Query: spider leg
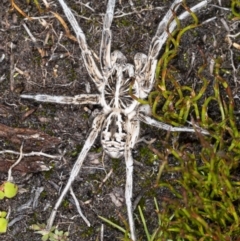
pixel 105 48
pixel 133 132
pixel 93 99
pixel 96 128
pixel 140 60
pixel 160 38
pixel 150 121
pixel 157 42
pixel 90 64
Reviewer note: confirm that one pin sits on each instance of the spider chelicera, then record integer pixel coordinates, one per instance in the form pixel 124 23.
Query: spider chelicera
pixel 119 121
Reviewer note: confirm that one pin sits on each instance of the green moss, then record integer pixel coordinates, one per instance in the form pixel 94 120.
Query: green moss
pixel 70 71
pixel 116 163
pixel 86 233
pixel 194 32
pixel 37 60
pixel 43 194
pixel 123 22
pixel 85 116
pixel 97 150
pixel 147 155
pixel 186 59
pixel 65 203
pixel 47 174
pixel 76 151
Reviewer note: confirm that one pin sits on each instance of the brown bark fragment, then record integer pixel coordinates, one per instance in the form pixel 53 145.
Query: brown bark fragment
pixel 34 140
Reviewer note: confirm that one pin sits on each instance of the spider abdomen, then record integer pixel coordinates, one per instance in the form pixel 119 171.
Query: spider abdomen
pixel 114 134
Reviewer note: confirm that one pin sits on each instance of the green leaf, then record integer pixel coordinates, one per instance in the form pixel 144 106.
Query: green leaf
pixel 3 225
pixel 35 227
pixel 2 195
pixel 3 214
pixel 10 189
pixel 45 237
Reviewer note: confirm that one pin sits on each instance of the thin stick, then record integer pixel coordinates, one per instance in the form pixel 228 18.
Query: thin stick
pixel 33 153
pixel 106 178
pixel 10 178
pixel 12 69
pixel 79 208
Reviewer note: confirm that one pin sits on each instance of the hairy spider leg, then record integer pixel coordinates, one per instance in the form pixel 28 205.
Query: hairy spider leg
pixel 133 128
pixel 105 47
pixel 87 55
pixel 84 99
pixel 160 125
pixel 161 37
pixel 96 128
pixel 155 47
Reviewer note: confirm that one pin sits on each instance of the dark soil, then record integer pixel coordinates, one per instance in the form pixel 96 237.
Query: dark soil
pixel 53 65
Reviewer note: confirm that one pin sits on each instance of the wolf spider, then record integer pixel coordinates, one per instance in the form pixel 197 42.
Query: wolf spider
pixel 119 121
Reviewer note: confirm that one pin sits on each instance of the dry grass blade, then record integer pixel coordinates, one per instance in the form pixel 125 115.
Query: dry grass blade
pixel 14 5
pixel 68 33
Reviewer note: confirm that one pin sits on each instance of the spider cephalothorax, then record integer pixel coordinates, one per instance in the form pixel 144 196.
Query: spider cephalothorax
pixel 119 121
pixel 115 94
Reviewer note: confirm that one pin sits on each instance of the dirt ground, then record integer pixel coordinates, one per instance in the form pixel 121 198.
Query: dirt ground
pixel 53 65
